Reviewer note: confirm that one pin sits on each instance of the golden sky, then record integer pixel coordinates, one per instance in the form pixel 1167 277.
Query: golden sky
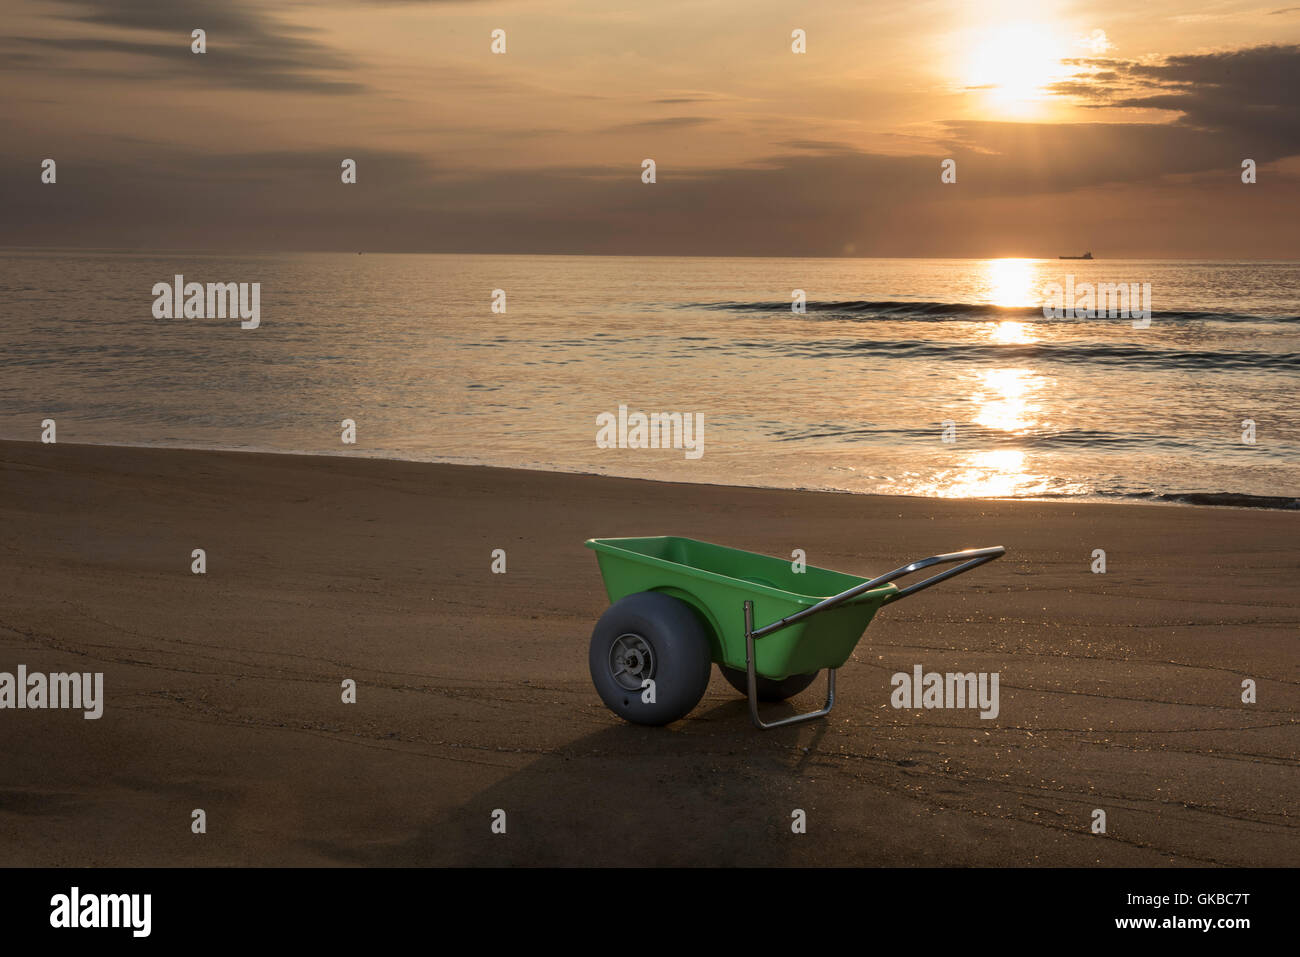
pixel 1112 126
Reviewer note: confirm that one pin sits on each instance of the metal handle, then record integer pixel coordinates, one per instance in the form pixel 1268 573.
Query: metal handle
pixel 970 558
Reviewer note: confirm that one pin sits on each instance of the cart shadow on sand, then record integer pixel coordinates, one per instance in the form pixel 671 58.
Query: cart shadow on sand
pixel 710 790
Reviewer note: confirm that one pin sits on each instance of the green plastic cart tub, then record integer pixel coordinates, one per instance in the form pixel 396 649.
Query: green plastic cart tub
pixel 812 620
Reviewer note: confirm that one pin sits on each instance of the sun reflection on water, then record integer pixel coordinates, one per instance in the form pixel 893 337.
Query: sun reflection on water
pixel 1011 282
pixel 1006 401
pixel 995 473
pixel 999 407
pixel 1010 332
pixel 1009 401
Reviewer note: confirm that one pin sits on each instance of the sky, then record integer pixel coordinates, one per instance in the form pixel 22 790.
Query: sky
pixel 1115 127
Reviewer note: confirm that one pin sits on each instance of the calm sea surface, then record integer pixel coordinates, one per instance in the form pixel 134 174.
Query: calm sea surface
pixel 852 395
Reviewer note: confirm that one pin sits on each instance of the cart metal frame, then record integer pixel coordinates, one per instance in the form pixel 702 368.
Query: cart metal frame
pixel 970 558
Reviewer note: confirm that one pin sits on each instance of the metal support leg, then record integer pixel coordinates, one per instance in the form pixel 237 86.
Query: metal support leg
pixel 753 682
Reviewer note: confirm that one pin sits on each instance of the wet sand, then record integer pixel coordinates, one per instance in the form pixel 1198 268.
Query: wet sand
pixel 1119 692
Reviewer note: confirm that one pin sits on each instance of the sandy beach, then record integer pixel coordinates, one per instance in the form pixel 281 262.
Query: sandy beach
pixel 1119 691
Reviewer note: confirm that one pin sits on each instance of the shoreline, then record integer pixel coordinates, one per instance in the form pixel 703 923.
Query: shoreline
pixel 1240 500
pixel 1119 691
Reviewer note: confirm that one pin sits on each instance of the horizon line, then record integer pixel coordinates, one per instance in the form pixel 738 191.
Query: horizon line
pixel 418 252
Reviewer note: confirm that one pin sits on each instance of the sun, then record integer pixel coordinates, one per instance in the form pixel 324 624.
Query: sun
pixel 1013 64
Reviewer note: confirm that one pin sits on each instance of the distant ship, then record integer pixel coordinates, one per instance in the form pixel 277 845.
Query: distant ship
pixel 1087 255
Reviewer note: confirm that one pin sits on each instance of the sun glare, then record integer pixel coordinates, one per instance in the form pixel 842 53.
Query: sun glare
pixel 1011 282
pixel 1012 64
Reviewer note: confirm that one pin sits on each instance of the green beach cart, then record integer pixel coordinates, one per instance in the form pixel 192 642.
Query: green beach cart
pixel 680 605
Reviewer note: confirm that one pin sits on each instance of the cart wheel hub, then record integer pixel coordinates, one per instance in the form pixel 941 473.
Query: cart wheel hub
pixel 631 661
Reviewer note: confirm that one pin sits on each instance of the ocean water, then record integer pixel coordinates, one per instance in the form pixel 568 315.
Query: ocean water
pixel 857 394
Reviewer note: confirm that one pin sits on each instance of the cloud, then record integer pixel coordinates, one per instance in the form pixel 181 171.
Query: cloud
pixel 246 48
pixel 1097 42
pixel 1245 96
pixel 667 123
pixel 1023 189
pixel 818 146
